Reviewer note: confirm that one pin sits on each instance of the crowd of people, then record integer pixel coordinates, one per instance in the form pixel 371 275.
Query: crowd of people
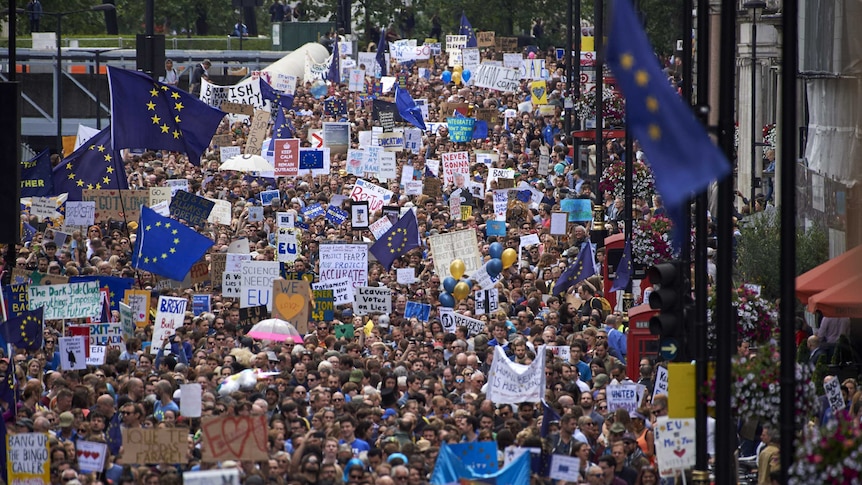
pixel 375 407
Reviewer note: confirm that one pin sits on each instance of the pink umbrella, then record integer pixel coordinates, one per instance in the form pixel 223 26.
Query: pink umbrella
pixel 275 329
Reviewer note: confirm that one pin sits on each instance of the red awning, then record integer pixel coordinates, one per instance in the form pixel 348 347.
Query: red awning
pixel 842 300
pixel 606 134
pixel 830 274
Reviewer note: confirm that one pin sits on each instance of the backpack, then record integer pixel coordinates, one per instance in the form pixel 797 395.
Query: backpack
pixel 606 305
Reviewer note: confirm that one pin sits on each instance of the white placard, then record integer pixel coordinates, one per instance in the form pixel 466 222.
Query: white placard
pixel 661 380
pixel 73 300
pixel 558 223
pixel 512 60
pixel 376 196
pixel 233 262
pixel 288 248
pixel 674 444
pixel 285 219
pixel 344 261
pixel 97 355
pixel 176 185
pixel 227 476
pixel 231 284
pixel 162 208
pixel 80 213
pixel 454 162
pixel 239 246
pixel 356 80
pixel 190 400
pixel 450 320
pixel 170 313
pixel 388 167
pixel 405 276
pixel 513 383
pixel 255 213
pixel 455 245
pixel 256 285
pixel 372 299
pixel 44 207
pixel 622 396
pixel 499 78
pixel 564 352
pixel 73 353
pixel 341 288
pixel 229 152
pixel 566 468
pixel 487 301
pixel 833 393
pixel 91 456
pixel 221 213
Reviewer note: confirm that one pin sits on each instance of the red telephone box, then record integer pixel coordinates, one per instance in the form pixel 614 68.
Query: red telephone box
pixel 641 343
pixel 614 245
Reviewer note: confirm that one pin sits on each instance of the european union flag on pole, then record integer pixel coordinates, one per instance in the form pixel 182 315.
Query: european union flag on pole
pixel 407 108
pixel 467 29
pixel 382 45
pixel 28 231
pixel 282 128
pixel 548 414
pixel 399 239
pixel 94 165
pixel 274 96
pixel 683 158
pixel 25 330
pixel 36 178
pixel 148 114
pixel 334 74
pixel 167 247
pixel 624 269
pixel 583 267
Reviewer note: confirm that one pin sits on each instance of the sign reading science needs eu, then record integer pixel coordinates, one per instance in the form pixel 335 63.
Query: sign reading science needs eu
pixel 73 300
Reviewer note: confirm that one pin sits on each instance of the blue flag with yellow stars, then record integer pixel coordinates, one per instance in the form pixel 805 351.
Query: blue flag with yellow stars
pixel 333 106
pixel 407 108
pixel 380 56
pixel 167 247
pixel 25 330
pixel 36 178
pixel 467 29
pixel 624 269
pixel 274 96
pixel 683 158
pixel 27 232
pixel 282 128
pixel 148 114
pixel 94 165
pixel 334 73
pixel 400 238
pixel 583 267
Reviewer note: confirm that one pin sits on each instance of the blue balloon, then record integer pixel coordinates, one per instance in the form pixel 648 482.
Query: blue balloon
pixel 494 267
pixel 447 300
pixel 465 75
pixel 446 77
pixel 449 284
pixel 495 250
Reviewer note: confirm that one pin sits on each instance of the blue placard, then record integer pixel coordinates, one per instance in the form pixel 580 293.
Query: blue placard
pixel 579 209
pixel 460 129
pixel 267 196
pixel 335 215
pixel 201 303
pixel 310 158
pixel 560 53
pixel 481 456
pixel 191 208
pixel 17 299
pixel 312 211
pixel 422 311
pixel 495 228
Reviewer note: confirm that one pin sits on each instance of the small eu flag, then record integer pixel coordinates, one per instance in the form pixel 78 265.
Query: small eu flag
pixel 334 73
pixel 407 108
pixel 467 29
pixel 25 330
pixel 94 165
pixel 399 239
pixel 149 114
pixel 382 45
pixel 28 231
pixel 167 247
pixel 624 269
pixel 683 158
pixel 583 267
pixel 274 96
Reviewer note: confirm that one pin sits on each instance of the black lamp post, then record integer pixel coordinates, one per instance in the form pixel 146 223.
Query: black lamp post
pixel 753 5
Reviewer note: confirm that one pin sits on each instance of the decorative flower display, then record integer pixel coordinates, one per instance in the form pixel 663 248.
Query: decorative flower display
pixel 613 107
pixel 756 317
pixel 769 134
pixel 614 179
pixel 831 454
pixel 651 241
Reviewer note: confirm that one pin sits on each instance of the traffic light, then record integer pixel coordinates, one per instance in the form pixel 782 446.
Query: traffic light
pixel 670 298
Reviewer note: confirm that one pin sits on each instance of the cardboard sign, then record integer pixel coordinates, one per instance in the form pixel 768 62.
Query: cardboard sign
pixel 139 301
pixel 170 313
pixel 256 284
pixel 91 456
pixel 80 213
pixel 506 44
pixel 221 213
pixel 257 132
pixel 422 311
pixel 237 438
pixel 291 302
pixel 249 316
pixel 154 446
pixel 237 108
pixel 578 209
pixel 73 300
pixel 218 262
pixel 487 301
pixel 286 157
pixel 191 208
pixel 27 459
pixel 110 205
pixel 255 213
pixel 372 299
pixel 485 39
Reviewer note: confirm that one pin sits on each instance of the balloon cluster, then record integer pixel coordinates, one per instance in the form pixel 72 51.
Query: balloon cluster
pixel 457 75
pixel 456 289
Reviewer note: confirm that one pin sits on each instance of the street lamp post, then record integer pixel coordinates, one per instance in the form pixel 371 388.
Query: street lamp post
pixel 753 5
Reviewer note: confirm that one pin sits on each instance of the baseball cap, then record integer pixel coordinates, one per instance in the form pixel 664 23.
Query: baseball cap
pixel 66 419
pixel 356 376
pixel 383 321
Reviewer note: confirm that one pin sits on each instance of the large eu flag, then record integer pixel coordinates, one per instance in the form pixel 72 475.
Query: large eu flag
pixel 400 238
pixel 149 114
pixel 274 96
pixel 683 158
pixel 167 247
pixel 407 108
pixel 94 165
pixel 25 330
pixel 380 56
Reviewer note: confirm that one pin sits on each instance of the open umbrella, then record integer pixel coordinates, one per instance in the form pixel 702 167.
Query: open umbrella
pixel 247 163
pixel 274 329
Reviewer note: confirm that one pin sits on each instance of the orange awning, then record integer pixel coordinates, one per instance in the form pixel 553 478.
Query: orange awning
pixel 829 274
pixel 842 300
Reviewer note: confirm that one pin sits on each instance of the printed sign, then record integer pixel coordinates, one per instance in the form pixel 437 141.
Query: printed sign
pixel 228 152
pixel 176 185
pixel 109 204
pixel 191 208
pixel 73 355
pixel 422 311
pixel 27 458
pixel 73 300
pixel 291 302
pixel 201 303
pixel 451 320
pixel 97 355
pixel 221 213
pixel 256 284
pixel 661 381
pixel 170 313
pixel 566 468
pixel 487 301
pixel 460 131
pixel 286 157
pixel 154 446
pixel 233 438
pixel 91 456
pixel 127 320
pixel 563 352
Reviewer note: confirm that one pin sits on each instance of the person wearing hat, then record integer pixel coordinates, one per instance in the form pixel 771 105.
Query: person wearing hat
pixel 65 427
pixel 634 456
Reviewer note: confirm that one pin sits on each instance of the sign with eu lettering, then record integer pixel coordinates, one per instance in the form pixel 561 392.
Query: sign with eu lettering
pixel 674 444
pixel 460 129
pixel 191 208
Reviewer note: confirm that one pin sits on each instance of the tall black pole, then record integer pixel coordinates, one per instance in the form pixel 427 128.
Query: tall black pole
pixel 59 71
pixel 570 7
pixel 150 17
pixel 598 36
pixel 13 42
pixel 725 442
pixel 789 63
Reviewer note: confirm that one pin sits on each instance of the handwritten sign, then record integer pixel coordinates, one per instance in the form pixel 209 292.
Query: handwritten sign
pixel 324 305
pixel 451 320
pixel 80 213
pixel 228 476
pixel 256 284
pixel 27 458
pixel 376 196
pixel 169 317
pixel 73 300
pixel 454 162
pixel 153 446
pixel 578 209
pixel 485 39
pixel 455 245
pixel 257 132
pixel 139 301
pixel 674 444
pixel 622 396
pixel 342 289
pixel 291 302
pixel 288 246
pixel 234 438
pixel 191 208
pixel 460 131
pixel 833 393
pixel 499 78
pixel 344 260
pixel 372 299
pixel 115 204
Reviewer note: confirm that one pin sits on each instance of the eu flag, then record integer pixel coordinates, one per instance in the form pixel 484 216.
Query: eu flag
pixel 683 158
pixel 467 29
pixel 407 108
pixel 36 178
pixel 28 231
pixel 167 247
pixel 400 238
pixel 274 96
pixel 94 165
pixel 624 269
pixel 25 330
pixel 334 73
pixel 148 114
pixel 481 456
pixel 282 128
pixel 548 414
pixel 450 469
pixel 382 45
pixel 583 267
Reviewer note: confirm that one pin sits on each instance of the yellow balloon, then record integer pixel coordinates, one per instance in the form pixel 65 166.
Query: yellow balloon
pixel 509 257
pixel 458 69
pixel 456 77
pixel 462 289
pixel 457 268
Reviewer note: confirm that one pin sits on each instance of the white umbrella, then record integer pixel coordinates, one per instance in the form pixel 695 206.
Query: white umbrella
pixel 247 163
pixel 274 329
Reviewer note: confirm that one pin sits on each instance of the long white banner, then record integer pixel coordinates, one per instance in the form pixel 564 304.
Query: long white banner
pixel 497 77
pixel 511 383
pixel 244 92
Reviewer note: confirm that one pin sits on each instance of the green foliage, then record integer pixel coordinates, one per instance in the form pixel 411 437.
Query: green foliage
pixel 759 246
pixel 802 353
pixel 821 370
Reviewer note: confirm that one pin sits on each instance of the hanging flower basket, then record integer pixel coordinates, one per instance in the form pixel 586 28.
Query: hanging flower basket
pixel 613 107
pixel 756 317
pixel 831 454
pixel 651 241
pixel 769 135
pixel 614 179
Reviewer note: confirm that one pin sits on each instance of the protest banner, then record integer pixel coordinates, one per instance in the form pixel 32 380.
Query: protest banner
pixel 108 334
pixel 139 301
pixel 487 301
pixel 288 244
pixel 228 152
pixel 376 196
pixel 344 260
pixel 455 42
pixel 512 60
pixel 674 444
pixel 27 459
pixel 392 141
pixel 470 58
pixel 512 383
pixel 359 216
pixel 91 456
pixel 499 78
pixel 405 276
pixel 454 162
pixel 244 92
pixel 323 309
pixel 240 438
pixel 191 208
pixel 256 284
pixel 452 320
pixel 80 213
pixel 227 476
pixel 170 312
pixel 73 355
pixel 154 446
pixel 162 208
pixel 116 204
pixel 461 245
pixel 72 300
pixel 291 302
pixel 257 133
pixel 286 157
pixel 460 131
pixel 251 315
pixel 342 289
pixel 335 215
pixel 127 321
pixel 372 299
pixel 622 396
pixel 201 302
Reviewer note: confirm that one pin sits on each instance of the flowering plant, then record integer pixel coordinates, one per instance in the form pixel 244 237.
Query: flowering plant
pixel 614 179
pixel 831 454
pixel 756 317
pixel 613 106
pixel 651 241
pixel 769 135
